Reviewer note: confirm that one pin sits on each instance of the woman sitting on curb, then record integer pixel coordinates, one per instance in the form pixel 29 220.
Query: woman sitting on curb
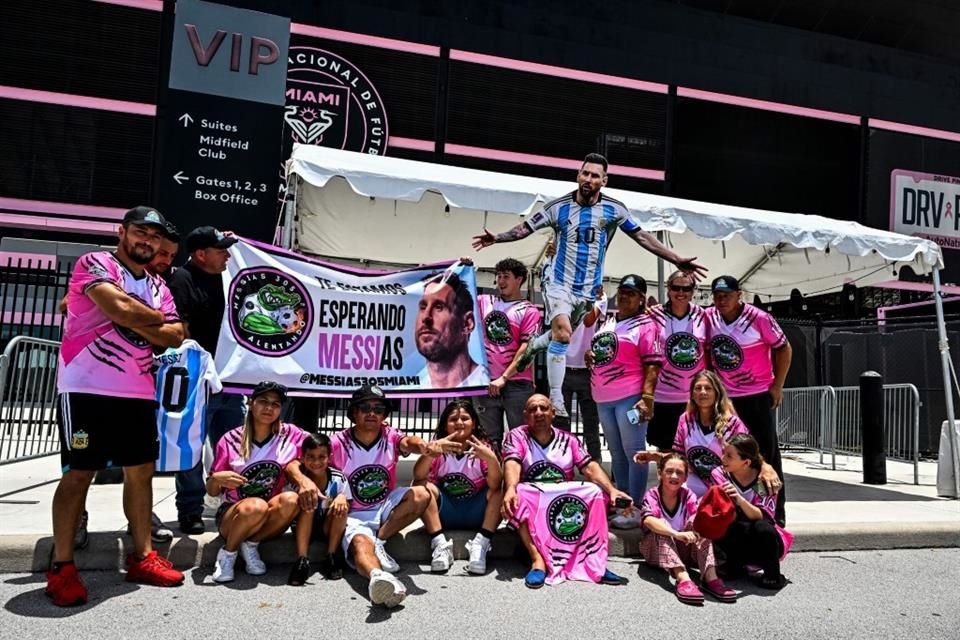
pixel 668 542
pixel 465 486
pixel 248 470
pixel 754 537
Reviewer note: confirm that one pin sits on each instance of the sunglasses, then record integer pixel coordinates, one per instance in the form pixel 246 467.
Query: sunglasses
pixel 677 288
pixel 368 407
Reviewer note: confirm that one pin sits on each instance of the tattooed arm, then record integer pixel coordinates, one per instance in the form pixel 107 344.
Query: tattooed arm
pixel 486 238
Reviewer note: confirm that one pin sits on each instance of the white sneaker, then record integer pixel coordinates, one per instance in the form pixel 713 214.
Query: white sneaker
pixel 442 556
pixel 385 589
pixel 478 547
pixel 251 558
pixel 223 569
pixel 387 563
pixel 559 408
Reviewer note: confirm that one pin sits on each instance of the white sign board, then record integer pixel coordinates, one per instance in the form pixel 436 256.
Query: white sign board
pixel 925 205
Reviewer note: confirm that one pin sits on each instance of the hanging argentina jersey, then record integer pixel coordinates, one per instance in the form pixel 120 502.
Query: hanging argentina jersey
pixel 568 524
pixel 185 378
pixel 583 236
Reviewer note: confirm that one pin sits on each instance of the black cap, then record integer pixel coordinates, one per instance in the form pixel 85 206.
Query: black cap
pixel 171 233
pixel 365 393
pixel 145 215
pixel 208 238
pixel 725 284
pixel 268 386
pixel 633 281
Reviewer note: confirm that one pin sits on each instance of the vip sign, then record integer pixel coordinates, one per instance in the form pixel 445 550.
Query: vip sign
pixel 331 103
pixel 925 205
pixel 229 52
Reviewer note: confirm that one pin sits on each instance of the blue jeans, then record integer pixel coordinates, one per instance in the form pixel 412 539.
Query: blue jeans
pixel 623 440
pixel 224 412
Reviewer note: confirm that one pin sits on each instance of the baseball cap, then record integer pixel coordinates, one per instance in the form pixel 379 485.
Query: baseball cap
pixel 725 284
pixel 170 231
pixel 145 215
pixel 633 281
pixel 715 514
pixel 208 238
pixel 365 393
pixel 268 386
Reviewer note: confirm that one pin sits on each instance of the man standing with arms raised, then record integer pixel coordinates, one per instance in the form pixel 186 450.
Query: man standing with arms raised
pixel 752 357
pixel 116 313
pixel 585 222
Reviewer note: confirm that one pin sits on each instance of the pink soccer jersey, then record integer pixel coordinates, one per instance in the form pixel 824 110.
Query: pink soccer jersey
pixel 554 462
pixel 758 497
pixel 264 467
pixel 740 351
pixel 684 511
pixel 702 449
pixel 370 471
pixel 620 351
pixel 98 356
pixel 506 326
pixel 568 524
pixel 684 340
pixel 458 476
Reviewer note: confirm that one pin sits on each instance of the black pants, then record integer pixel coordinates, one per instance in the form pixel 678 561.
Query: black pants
pixel 577 381
pixel 756 412
pixel 663 426
pixel 752 542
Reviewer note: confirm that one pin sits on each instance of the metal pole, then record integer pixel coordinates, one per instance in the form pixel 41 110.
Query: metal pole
pixel 289 211
pixel 660 287
pixel 944 346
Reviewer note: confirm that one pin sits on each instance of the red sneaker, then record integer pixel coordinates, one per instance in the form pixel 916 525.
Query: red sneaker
pixel 65 587
pixel 154 570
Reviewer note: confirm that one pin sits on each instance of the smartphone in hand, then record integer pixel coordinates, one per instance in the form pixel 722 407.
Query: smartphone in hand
pixel 633 416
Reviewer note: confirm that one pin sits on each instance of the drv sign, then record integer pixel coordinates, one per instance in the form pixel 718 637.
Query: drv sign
pixel 925 205
pixel 229 52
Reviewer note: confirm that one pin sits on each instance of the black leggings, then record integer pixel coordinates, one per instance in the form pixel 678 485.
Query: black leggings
pixel 756 412
pixel 753 542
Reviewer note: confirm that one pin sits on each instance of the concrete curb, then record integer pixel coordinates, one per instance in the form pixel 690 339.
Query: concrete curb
pixel 106 551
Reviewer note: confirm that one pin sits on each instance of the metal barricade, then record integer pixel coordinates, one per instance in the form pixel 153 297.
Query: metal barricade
pixel 806 418
pixel 901 411
pixel 28 399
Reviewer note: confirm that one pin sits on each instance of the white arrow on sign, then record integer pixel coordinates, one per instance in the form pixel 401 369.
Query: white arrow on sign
pixel 185 119
pixel 180 178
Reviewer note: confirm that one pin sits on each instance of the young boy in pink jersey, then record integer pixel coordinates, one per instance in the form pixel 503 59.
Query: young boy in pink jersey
pixel 465 485
pixel 754 537
pixel 116 312
pixel 752 356
pixel 562 524
pixel 625 361
pixel 509 322
pixel 249 471
pixel 330 516
pixel 670 543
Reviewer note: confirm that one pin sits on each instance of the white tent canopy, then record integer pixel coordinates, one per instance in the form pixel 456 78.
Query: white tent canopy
pixel 393 211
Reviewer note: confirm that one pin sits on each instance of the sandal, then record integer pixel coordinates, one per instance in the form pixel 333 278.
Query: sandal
pixel 688 593
pixel 719 590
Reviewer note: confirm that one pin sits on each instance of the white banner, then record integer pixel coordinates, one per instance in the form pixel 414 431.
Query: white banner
pixel 324 330
pixel 925 205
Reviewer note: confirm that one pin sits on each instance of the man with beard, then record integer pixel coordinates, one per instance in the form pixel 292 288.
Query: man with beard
pixel 445 321
pixel 116 313
pixel 585 222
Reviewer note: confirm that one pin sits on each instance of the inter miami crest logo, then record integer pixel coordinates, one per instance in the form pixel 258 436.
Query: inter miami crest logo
pixel 497 327
pixel 567 518
pixel 370 484
pixel 725 353
pixel 270 312
pixel 261 478
pixel 604 346
pixel 683 350
pixel 330 102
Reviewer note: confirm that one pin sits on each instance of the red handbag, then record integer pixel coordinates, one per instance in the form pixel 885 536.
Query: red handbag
pixel 715 514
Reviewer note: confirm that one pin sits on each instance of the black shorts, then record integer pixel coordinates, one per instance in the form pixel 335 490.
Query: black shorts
pixel 662 428
pixel 97 431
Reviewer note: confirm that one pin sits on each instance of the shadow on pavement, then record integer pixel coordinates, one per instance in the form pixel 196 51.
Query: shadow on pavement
pixel 101 585
pixel 804 489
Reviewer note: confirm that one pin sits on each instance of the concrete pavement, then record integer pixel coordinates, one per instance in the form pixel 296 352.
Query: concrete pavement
pixel 826 510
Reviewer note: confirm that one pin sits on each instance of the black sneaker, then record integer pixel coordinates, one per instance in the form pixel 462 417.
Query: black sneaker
pixel 192 525
pixel 159 532
pixel 331 568
pixel 82 538
pixel 299 572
